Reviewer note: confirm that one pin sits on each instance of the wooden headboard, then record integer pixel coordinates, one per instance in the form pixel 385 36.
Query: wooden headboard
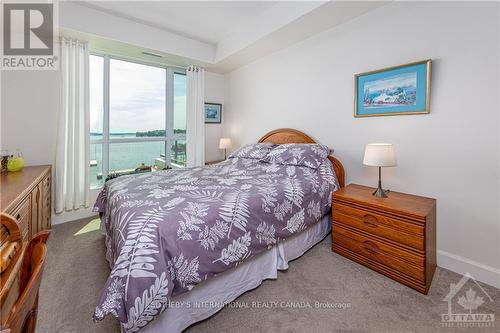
pixel 289 135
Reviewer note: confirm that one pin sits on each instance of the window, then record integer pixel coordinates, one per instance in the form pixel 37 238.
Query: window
pixel 137 117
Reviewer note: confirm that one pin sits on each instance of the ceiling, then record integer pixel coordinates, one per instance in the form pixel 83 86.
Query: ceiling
pixel 206 21
pixel 218 35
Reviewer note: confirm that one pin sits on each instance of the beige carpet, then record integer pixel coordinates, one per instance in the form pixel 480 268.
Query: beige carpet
pixel 76 271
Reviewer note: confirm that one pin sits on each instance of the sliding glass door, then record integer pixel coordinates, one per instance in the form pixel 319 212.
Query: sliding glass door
pixel 137 117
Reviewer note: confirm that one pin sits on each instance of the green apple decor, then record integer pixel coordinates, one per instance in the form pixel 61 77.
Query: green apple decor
pixel 15 163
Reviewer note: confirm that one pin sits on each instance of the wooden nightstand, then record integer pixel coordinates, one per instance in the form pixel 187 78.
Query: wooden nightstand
pixel 395 236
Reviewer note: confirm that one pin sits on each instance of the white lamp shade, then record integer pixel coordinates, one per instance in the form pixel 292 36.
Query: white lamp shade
pixel 380 155
pixel 224 143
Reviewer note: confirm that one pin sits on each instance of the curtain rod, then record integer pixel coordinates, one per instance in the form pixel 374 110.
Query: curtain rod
pixel 194 68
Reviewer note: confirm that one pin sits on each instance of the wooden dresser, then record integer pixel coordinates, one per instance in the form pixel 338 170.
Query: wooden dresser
pixel 26 195
pixel 395 236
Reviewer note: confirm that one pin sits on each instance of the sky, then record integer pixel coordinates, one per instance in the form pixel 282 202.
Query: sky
pixel 137 97
pixel 395 81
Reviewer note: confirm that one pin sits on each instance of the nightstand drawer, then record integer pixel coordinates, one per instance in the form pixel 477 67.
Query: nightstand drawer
pixel 390 228
pixel 396 258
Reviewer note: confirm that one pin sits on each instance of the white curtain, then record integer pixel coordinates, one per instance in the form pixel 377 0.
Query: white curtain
pixel 195 118
pixel 72 157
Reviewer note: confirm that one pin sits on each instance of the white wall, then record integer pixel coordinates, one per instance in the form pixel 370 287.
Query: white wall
pixel 451 154
pixel 30 100
pixel 29 109
pixel 214 93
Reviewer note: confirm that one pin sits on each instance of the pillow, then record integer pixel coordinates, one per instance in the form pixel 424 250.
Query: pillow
pixel 254 150
pixel 298 154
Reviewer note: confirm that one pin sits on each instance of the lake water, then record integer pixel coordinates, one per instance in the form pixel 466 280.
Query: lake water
pixel 126 156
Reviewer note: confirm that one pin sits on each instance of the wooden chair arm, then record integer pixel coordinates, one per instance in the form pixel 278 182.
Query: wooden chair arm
pixel 32 256
pixel 10 222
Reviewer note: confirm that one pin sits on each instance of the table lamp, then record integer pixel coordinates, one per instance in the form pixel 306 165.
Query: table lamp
pixel 225 143
pixel 380 155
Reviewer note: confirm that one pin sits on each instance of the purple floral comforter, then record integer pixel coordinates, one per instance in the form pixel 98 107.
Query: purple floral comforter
pixel 170 230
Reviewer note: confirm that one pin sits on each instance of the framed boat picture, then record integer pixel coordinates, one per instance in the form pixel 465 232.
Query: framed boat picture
pixel 398 90
pixel 213 113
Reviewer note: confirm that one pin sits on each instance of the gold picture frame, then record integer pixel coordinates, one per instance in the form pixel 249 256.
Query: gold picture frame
pixel 426 106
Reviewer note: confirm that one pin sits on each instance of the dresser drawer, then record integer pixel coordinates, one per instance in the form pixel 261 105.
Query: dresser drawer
pixel 396 258
pixel 22 213
pixel 390 228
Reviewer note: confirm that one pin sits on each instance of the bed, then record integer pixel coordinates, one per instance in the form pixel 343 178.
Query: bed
pixel 183 243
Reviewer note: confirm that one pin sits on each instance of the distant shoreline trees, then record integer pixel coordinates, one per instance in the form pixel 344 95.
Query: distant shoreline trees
pixel 150 133
pixel 158 133
pixel 153 133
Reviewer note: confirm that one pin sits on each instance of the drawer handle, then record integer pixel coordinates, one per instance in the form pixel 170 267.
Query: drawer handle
pixel 370 247
pixel 370 220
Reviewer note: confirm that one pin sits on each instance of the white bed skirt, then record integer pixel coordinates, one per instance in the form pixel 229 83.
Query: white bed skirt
pixel 210 296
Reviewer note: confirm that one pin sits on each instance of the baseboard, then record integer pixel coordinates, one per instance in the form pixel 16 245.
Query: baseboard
pixel 461 265
pixel 81 213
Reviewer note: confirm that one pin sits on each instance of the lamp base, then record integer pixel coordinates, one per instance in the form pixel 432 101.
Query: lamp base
pixel 380 193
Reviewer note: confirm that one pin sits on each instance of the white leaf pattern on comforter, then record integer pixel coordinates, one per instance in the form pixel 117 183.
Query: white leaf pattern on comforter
pixel 170 230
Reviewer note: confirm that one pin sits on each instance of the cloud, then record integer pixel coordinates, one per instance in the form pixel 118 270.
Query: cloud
pixel 96 93
pixel 180 112
pixel 391 82
pixel 137 97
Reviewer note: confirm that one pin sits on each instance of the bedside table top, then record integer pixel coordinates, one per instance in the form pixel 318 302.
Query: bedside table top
pixel 397 202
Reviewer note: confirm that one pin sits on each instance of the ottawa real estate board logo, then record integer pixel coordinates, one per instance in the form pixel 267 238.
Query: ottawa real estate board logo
pixel 29 36
pixel 468 305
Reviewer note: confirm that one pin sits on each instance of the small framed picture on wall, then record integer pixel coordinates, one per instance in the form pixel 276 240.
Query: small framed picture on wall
pixel 213 113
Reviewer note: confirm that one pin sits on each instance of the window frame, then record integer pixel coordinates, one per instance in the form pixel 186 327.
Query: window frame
pixel 169 138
